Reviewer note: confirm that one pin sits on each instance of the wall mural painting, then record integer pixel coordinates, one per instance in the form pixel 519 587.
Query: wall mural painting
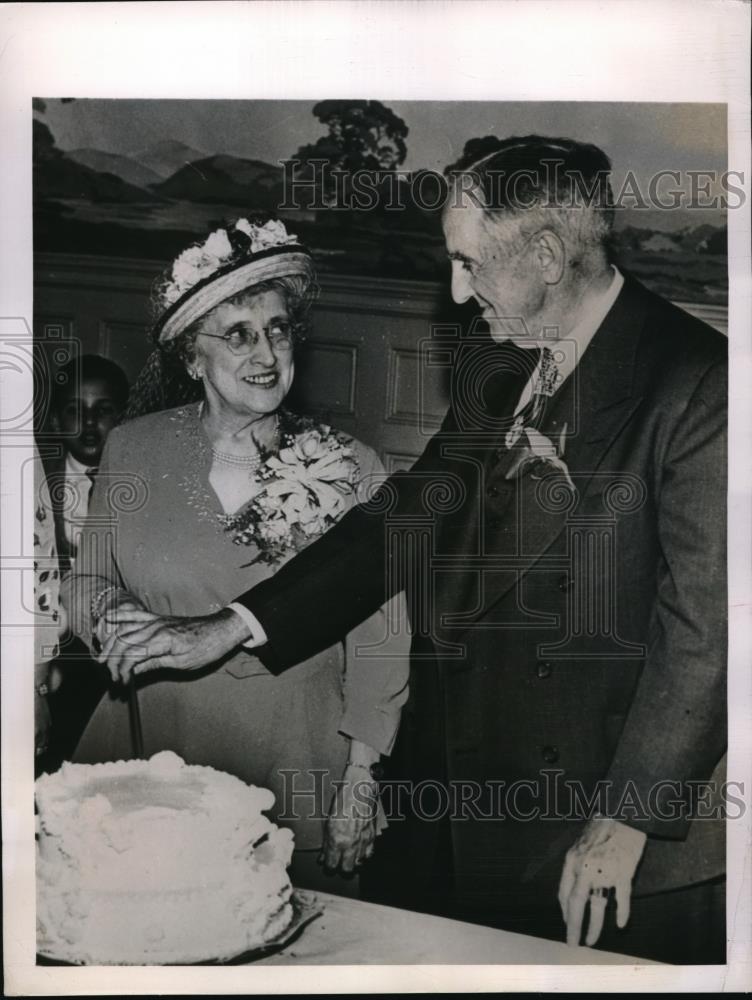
pixel 137 178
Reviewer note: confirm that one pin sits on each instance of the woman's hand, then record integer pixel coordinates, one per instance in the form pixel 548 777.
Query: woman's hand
pixel 139 641
pixel 351 826
pixel 118 608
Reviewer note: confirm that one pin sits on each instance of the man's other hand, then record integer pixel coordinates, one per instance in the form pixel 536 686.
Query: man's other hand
pixel 605 857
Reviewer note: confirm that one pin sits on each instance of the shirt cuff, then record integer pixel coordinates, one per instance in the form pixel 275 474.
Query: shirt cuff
pixel 258 635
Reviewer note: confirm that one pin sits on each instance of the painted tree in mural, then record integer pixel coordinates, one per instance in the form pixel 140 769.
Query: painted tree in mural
pixel 44 146
pixel 361 136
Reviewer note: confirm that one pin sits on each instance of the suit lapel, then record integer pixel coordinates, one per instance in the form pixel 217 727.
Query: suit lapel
pixel 592 407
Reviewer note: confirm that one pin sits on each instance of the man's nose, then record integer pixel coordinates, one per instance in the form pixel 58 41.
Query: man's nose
pixel 89 418
pixel 461 287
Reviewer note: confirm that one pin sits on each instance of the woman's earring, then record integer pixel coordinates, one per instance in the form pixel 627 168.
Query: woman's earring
pixel 196 375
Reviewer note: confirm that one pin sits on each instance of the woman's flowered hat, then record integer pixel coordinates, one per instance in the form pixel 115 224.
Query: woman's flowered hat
pixel 227 262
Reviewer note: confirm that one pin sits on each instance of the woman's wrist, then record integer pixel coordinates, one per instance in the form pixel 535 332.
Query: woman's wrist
pixel 362 753
pixel 102 601
pixel 372 773
pixel 364 758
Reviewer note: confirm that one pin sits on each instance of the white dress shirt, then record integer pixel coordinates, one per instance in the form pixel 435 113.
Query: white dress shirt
pixel 77 487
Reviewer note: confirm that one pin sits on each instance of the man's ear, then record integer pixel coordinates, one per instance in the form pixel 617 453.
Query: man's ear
pixel 550 255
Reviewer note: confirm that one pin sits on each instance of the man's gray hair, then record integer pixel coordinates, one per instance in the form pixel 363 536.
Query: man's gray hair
pixel 533 182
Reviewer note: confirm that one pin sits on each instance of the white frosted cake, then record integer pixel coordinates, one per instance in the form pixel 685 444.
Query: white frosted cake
pixel 155 861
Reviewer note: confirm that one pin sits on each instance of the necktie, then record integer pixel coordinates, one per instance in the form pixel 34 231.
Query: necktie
pixel 91 474
pixel 545 386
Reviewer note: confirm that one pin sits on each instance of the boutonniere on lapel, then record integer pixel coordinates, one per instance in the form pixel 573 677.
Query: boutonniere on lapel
pixel 535 454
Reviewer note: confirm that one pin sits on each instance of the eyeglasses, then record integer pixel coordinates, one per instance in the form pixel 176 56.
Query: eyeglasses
pixel 242 339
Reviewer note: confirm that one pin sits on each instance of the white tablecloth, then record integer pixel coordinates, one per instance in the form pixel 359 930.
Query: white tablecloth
pixel 350 932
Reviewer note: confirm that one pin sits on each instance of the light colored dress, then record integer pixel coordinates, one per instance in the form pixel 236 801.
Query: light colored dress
pixel 156 528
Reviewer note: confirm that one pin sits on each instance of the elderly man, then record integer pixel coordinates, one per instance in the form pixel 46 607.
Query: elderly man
pixel 568 600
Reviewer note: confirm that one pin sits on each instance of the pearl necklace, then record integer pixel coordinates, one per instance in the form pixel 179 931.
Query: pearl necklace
pixel 250 462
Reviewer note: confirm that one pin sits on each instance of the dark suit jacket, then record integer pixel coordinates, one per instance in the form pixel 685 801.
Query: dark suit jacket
pixel 585 639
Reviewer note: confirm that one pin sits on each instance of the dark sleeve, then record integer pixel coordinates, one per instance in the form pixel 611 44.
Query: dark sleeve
pixel 324 592
pixel 676 727
pixel 331 586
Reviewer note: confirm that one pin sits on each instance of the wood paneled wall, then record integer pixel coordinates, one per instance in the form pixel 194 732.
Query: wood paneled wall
pixel 371 366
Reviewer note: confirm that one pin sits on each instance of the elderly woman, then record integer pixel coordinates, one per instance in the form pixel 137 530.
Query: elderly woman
pixel 194 504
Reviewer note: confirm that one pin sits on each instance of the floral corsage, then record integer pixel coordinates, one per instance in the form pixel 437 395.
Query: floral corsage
pixel 536 454
pixel 305 489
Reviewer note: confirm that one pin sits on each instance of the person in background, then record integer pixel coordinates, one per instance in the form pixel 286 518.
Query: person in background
pixel 88 398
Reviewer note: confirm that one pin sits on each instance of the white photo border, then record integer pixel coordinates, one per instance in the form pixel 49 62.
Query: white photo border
pixel 564 50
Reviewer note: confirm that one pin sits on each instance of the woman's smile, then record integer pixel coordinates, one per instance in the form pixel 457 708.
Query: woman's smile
pixel 266 380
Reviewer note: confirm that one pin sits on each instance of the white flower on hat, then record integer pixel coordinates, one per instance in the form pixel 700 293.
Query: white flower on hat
pixel 218 245
pixel 203 259
pixel 197 263
pixel 271 234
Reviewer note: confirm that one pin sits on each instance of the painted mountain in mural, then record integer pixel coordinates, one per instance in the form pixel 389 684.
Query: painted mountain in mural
pixel 56 175
pixel 124 167
pixel 152 203
pixel 167 156
pixel 226 179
